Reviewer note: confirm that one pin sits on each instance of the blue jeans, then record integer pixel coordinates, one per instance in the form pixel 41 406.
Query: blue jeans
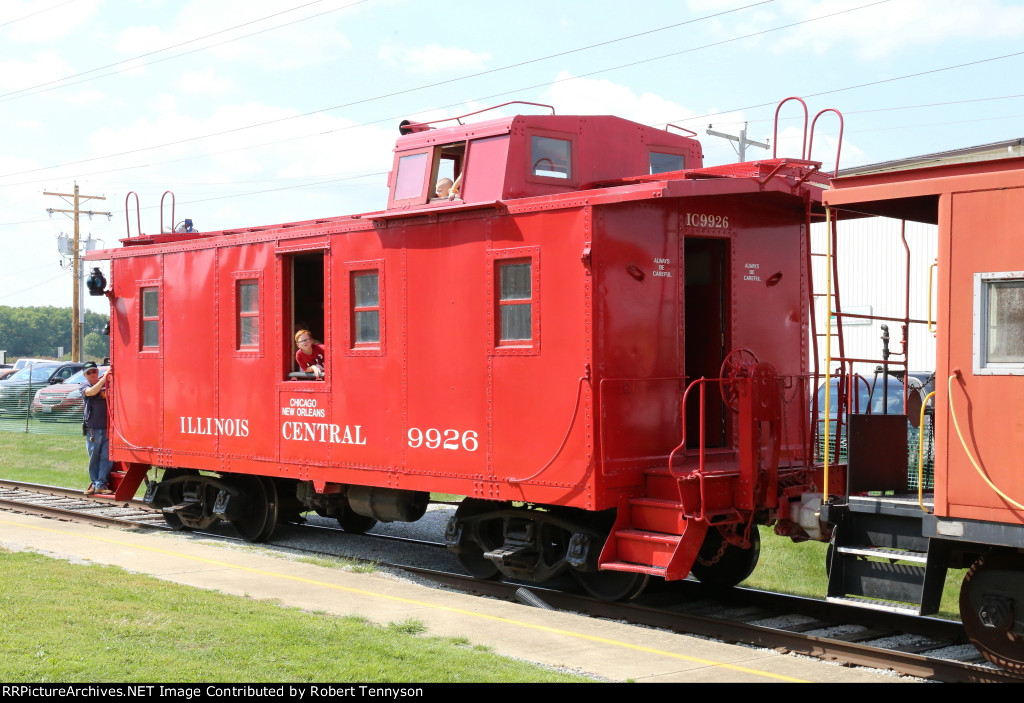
pixel 99 460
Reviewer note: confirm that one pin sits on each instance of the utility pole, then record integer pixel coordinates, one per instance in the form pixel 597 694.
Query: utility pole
pixel 742 139
pixel 76 324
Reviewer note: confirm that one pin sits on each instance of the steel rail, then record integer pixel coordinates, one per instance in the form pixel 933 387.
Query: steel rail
pixel 736 630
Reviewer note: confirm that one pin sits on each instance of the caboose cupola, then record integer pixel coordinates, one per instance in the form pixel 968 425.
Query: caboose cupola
pixel 524 156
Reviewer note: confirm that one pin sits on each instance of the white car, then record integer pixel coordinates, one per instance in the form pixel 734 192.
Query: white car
pixel 22 363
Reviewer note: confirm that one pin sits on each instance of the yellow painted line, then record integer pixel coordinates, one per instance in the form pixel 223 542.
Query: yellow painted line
pixel 409 601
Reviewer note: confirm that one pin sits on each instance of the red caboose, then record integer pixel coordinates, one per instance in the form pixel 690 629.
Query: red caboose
pixel 600 343
pixel 892 550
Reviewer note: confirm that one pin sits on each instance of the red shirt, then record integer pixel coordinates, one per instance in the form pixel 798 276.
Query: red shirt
pixel 306 360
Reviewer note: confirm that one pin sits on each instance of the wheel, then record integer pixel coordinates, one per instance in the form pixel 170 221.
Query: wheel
pixel 727 565
pixel 991 599
pixel 181 521
pixel 612 585
pixel 736 365
pixel 259 515
pixel 353 522
pixel 475 537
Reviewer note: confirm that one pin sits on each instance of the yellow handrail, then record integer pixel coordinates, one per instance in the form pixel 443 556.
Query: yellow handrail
pixel 952 412
pixel 931 323
pixel 828 346
pixel 920 453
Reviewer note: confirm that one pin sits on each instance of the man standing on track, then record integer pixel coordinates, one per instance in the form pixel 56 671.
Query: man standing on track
pixel 95 427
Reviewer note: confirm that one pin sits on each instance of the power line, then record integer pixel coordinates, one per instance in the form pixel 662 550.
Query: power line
pixel 589 74
pixel 440 83
pixel 36 285
pixel 37 12
pixel 24 92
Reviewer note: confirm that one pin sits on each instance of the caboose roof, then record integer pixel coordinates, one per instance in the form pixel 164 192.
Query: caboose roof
pixel 913 194
pixel 522 156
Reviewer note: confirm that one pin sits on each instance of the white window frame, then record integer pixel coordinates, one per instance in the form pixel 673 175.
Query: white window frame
pixel 982 366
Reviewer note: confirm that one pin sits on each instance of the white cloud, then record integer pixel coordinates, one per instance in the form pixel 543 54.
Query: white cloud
pixel 84 96
pixel 874 32
pixel 206 82
pixel 432 58
pixel 201 171
pixel 43 67
pixel 35 27
pixel 589 96
pixel 141 40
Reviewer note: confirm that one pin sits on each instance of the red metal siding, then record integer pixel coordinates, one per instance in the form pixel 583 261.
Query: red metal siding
pixel 983 235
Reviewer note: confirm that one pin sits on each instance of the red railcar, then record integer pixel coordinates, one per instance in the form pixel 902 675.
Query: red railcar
pixel 525 342
pixel 890 548
pixel 599 342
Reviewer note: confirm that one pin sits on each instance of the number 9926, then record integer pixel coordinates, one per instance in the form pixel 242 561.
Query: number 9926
pixel 443 439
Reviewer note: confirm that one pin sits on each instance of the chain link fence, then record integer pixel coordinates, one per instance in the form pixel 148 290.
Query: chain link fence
pixel 914 437
pixel 40 408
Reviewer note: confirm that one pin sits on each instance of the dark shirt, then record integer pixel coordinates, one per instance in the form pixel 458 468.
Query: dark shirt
pixel 95 408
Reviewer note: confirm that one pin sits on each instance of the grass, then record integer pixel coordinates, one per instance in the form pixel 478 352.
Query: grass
pixel 799 569
pixel 353 565
pixel 67 429
pixel 51 460
pixel 103 624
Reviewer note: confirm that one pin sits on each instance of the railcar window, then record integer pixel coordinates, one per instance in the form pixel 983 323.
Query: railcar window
pixel 515 301
pixel 248 314
pixel 366 307
pixel 412 172
pixel 150 318
pixel 662 163
pixel 449 166
pixel 999 323
pixel 304 293
pixel 551 158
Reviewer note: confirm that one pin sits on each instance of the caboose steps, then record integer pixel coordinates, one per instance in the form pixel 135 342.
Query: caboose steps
pixel 886 553
pixel 646 548
pixel 886 606
pixel 657 515
pixel 880 559
pixel 634 568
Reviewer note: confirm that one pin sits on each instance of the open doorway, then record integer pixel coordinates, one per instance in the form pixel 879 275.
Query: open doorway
pixel 706 329
pixel 306 271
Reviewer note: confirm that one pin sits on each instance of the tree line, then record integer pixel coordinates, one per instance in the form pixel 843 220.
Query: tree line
pixel 37 332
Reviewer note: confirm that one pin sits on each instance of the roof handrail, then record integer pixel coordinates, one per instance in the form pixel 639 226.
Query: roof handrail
pixel 138 221
pixel 681 129
pixel 166 193
pixel 775 134
pixel 407 126
pixel 839 145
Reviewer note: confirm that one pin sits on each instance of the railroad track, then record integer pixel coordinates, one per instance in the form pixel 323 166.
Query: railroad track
pixel 68 504
pixel 926 648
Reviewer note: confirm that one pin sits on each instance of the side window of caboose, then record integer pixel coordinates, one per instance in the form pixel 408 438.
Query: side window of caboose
pixel 365 309
pixel 247 298
pixel 307 273
pixel 448 169
pixel 662 163
pixel 551 158
pixel 411 176
pixel 515 301
pixel 150 322
pixel 999 323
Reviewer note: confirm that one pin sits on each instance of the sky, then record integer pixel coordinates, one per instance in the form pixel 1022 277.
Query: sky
pixel 255 112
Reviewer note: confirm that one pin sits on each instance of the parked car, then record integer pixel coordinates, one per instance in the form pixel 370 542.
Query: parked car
pixel 22 363
pixel 877 395
pixel 62 402
pixel 7 373
pixel 17 392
